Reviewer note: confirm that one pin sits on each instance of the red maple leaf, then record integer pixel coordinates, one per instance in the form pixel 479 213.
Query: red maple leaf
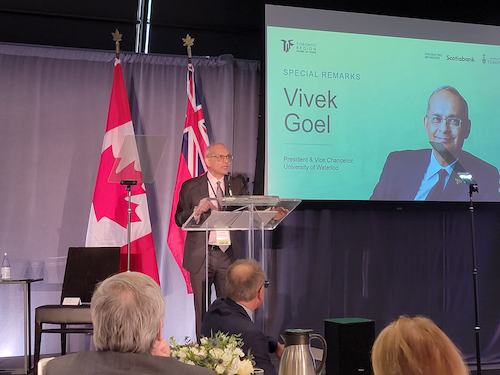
pixel 111 199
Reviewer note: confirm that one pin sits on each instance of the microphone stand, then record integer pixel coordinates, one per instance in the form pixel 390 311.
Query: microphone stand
pixel 128 184
pixel 466 178
pixel 472 189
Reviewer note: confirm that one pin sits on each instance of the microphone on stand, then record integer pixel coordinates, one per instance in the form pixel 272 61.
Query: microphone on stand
pixel 229 184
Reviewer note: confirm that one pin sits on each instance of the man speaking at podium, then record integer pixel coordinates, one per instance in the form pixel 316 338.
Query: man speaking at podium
pixel 216 183
pixel 425 174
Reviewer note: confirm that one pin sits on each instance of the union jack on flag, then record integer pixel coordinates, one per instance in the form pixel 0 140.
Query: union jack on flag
pixel 191 164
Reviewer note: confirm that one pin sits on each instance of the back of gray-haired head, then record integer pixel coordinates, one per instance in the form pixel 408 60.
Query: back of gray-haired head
pixel 244 279
pixel 127 310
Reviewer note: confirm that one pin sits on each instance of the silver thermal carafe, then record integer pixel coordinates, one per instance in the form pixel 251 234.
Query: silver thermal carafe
pixel 297 358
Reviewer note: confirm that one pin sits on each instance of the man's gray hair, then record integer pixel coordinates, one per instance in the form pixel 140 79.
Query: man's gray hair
pixel 127 310
pixel 208 150
pixel 244 284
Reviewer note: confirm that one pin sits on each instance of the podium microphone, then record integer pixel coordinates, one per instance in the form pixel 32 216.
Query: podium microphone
pixel 128 182
pixel 229 183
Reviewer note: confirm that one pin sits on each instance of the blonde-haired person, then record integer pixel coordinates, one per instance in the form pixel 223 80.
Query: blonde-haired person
pixel 416 346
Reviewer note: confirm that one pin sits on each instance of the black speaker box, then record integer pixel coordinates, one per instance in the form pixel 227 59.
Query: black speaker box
pixel 349 342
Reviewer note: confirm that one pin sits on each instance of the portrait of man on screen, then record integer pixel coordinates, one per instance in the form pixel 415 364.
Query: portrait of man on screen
pixel 427 174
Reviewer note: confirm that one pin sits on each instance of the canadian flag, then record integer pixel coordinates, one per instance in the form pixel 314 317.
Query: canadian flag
pixel 108 214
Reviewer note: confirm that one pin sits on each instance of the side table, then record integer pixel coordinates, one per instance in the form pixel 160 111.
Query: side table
pixel 27 317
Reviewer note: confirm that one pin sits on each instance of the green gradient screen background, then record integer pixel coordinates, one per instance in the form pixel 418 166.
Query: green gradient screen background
pixel 372 91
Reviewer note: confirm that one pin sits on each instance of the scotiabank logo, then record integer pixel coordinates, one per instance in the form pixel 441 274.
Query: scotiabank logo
pixel 287 44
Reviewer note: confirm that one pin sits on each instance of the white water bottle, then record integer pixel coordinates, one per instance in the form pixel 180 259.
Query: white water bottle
pixel 5 268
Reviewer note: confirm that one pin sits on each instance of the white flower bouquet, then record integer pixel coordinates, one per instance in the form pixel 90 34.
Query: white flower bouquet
pixel 221 353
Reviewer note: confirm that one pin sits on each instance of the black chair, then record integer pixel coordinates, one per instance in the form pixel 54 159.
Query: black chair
pixel 85 267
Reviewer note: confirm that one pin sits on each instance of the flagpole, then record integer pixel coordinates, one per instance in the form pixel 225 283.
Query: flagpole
pixel 188 42
pixel 117 37
pixel 194 142
pixel 108 223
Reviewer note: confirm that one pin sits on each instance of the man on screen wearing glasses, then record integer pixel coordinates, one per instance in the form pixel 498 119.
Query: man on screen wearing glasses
pixel 216 183
pixel 425 174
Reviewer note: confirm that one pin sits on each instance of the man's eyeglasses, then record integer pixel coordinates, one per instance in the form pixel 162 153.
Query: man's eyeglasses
pixel 222 157
pixel 452 122
pixel 266 284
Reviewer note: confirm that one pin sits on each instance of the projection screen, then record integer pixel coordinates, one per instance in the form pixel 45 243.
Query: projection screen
pixel 347 103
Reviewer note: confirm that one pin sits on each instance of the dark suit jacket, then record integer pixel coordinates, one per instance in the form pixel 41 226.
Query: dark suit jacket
pixel 192 191
pixel 404 170
pixel 114 363
pixel 227 316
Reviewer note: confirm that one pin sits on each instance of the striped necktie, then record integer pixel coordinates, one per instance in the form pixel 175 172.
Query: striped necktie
pixel 220 195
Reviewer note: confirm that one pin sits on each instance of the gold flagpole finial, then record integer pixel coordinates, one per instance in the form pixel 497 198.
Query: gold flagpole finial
pixel 188 42
pixel 117 37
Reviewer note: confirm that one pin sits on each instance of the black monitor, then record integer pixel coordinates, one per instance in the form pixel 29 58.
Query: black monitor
pixel 85 267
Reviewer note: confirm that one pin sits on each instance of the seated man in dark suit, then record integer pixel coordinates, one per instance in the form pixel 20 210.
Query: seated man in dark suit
pixel 234 314
pixel 426 174
pixel 127 314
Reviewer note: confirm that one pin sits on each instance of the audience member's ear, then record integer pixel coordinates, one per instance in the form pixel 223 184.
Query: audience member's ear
pixel 161 347
pixel 160 332
pixel 260 294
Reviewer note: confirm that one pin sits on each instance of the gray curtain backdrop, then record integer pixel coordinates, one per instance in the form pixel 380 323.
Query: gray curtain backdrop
pixel 53 111
pixel 326 260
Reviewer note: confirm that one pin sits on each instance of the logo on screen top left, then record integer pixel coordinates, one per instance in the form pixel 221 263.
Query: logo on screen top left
pixel 287 44
pixel 298 46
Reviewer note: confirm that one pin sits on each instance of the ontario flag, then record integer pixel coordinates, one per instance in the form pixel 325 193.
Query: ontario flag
pixel 191 164
pixel 108 213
